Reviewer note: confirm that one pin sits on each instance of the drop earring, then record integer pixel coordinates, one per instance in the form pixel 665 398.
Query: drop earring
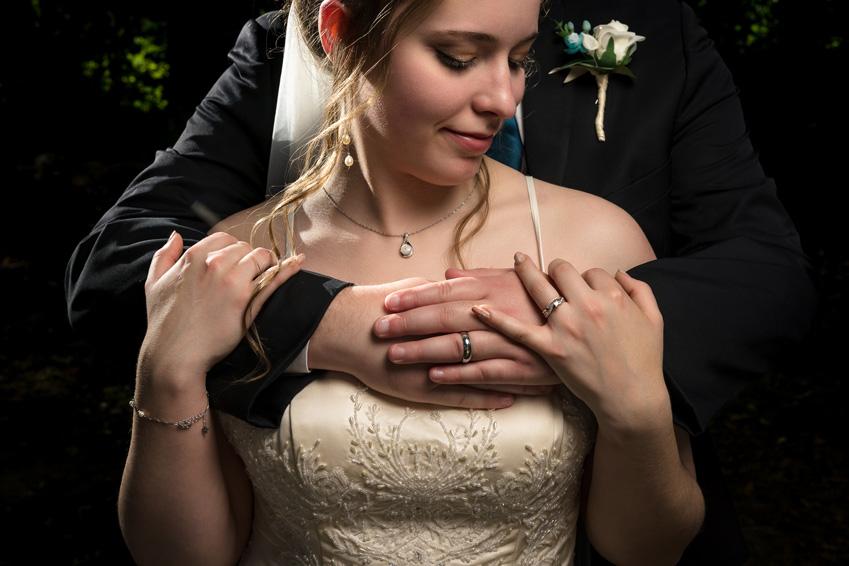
pixel 346 141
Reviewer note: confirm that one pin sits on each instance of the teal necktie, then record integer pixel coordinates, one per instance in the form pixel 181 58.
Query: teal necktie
pixel 507 145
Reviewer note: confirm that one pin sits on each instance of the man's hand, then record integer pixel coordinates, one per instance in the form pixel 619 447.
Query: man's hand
pixel 344 342
pixel 443 308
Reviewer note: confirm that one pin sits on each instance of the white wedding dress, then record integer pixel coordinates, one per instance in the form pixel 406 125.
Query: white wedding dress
pixel 355 477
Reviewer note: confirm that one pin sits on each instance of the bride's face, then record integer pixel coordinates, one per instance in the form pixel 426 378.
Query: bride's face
pixel 452 82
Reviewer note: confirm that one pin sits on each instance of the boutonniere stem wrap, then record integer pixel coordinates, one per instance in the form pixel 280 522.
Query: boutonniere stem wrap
pixel 607 50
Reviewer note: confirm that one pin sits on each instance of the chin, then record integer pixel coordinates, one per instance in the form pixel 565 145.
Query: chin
pixel 453 171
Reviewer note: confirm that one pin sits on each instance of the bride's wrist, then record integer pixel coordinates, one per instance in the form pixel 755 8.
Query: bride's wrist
pixel 170 397
pixel 171 378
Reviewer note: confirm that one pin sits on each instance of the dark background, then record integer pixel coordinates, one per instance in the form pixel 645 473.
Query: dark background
pixel 89 90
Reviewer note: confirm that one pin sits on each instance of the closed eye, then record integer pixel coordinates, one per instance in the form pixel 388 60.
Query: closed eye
pixel 524 63
pixel 453 62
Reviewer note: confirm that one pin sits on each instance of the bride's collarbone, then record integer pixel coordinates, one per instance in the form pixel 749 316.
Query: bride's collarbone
pixel 369 262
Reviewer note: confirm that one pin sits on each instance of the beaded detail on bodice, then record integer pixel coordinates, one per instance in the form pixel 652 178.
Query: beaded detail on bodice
pixel 355 477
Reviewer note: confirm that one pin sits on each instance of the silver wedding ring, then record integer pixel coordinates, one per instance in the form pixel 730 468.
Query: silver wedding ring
pixel 546 312
pixel 467 347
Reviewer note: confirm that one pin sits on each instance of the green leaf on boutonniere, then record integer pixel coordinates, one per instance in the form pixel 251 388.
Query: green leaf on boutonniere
pixel 608 60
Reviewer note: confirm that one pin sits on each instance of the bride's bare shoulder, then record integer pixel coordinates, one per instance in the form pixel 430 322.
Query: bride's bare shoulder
pixel 241 224
pixel 606 235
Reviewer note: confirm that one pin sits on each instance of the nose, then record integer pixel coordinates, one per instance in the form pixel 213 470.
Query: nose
pixel 500 93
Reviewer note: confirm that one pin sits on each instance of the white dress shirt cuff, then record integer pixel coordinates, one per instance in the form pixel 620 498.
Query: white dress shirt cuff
pixel 301 363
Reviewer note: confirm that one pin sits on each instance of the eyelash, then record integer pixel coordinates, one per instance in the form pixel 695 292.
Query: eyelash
pixel 461 65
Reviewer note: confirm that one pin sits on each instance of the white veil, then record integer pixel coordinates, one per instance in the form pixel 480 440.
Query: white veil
pixel 304 89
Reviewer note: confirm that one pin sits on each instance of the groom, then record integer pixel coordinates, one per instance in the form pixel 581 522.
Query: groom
pixel 731 279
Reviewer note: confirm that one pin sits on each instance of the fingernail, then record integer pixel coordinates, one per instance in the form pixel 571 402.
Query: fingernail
pixel 519 257
pixel 393 302
pixel 171 237
pixel 396 353
pixel 482 312
pixel 382 326
pixel 436 374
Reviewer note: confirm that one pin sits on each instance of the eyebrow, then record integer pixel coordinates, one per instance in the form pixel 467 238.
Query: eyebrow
pixel 479 37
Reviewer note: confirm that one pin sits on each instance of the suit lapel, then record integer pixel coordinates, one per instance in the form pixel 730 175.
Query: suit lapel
pixel 547 107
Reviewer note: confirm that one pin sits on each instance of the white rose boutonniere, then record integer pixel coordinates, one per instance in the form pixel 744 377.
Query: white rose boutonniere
pixel 608 49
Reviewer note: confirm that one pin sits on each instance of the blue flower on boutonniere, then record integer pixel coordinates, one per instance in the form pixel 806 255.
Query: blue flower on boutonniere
pixel 607 50
pixel 574 41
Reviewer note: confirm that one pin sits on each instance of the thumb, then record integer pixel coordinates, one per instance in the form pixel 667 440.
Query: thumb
pixel 639 291
pixel 165 257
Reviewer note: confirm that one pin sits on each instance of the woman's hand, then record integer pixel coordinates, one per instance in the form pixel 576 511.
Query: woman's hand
pixel 440 311
pixel 605 342
pixel 197 301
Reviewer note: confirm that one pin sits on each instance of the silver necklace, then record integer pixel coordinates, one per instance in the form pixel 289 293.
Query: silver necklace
pixel 406 250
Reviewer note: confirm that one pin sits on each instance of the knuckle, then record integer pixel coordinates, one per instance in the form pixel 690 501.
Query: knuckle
pixel 399 324
pixel 445 316
pixel 265 255
pixel 227 237
pixel 476 374
pixel 192 254
pixel 443 290
pixel 559 267
pixel 215 263
pixel 617 295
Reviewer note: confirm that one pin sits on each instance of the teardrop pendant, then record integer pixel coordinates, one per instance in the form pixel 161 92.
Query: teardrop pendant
pixel 406 249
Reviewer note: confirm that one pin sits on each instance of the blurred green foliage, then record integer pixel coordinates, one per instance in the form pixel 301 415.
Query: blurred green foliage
pixel 141 67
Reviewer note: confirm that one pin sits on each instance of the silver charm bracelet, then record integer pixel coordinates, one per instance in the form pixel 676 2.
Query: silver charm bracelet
pixel 183 424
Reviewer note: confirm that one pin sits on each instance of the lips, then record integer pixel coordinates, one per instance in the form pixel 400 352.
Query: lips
pixel 473 142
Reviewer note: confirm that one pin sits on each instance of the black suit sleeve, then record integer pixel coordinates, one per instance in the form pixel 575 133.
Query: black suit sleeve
pixel 737 290
pixel 217 167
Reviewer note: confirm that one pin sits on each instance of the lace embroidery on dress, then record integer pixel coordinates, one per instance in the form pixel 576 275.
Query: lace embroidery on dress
pixel 442 501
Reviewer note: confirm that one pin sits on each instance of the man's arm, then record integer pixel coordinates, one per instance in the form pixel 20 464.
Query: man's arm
pixel 737 289
pixel 217 167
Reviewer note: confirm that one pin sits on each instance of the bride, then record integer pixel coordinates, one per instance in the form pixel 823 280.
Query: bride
pixel 395 184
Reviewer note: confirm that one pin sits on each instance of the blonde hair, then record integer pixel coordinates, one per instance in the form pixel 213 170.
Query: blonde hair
pixel 370 35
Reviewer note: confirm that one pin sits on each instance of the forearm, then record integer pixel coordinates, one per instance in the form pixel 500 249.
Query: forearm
pixel 644 506
pixel 732 312
pixel 341 328
pixel 173 505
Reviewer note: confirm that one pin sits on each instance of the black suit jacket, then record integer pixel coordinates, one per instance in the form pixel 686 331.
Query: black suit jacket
pixel 731 280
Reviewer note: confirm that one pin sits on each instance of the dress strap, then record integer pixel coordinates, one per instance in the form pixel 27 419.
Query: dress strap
pixel 532 197
pixel 288 241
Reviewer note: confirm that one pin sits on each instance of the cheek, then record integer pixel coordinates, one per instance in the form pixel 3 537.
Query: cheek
pixel 418 98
